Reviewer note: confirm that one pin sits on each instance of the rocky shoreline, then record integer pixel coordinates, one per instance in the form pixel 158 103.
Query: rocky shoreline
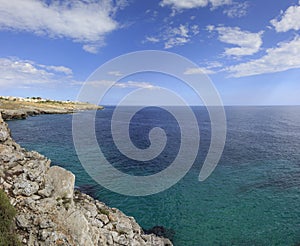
pixel 20 114
pixel 51 212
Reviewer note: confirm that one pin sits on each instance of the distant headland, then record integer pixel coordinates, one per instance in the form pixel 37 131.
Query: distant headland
pixel 21 108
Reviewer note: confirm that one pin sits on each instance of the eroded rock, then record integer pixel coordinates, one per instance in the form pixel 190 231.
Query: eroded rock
pixel 62 182
pixel 25 187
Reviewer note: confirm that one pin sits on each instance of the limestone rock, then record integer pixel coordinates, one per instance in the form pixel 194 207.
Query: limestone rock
pixel 78 226
pixel 9 156
pixel 26 188
pixel 23 221
pixel 62 181
pixel 47 191
pixel 36 169
pixel 103 218
pixel 124 226
pixel 4 133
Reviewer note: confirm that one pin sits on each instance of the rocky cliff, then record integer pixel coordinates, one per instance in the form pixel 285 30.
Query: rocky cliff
pixel 50 212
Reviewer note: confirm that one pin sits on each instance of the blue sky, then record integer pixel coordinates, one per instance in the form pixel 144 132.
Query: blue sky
pixel 249 49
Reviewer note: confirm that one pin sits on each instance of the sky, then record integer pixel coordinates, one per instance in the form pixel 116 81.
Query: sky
pixel 249 49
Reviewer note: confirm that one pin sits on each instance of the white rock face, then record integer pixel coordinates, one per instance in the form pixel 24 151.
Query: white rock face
pixel 78 225
pixel 50 212
pixel 62 182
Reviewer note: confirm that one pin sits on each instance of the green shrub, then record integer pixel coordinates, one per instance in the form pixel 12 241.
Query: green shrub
pixel 7 214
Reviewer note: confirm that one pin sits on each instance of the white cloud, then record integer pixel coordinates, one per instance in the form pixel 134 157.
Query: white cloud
pixel 175 41
pixel 93 48
pixel 214 64
pixel 175 36
pixel 248 43
pixel 59 69
pixel 281 58
pixel 189 4
pixel 217 3
pixel 19 73
pixel 152 39
pixel 135 84
pixel 207 68
pixel 82 21
pixel 115 73
pixel 200 70
pixel 289 20
pixel 237 10
pixel 195 29
pixel 210 28
pixel 121 85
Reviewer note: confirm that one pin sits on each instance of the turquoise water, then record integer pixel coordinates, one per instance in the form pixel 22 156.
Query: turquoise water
pixel 252 197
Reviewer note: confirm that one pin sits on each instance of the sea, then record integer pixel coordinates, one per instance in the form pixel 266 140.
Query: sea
pixel 251 198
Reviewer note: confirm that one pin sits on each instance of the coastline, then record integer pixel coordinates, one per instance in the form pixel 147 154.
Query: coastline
pixel 51 212
pixel 20 108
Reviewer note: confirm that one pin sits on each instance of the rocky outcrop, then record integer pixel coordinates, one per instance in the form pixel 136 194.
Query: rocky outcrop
pixel 50 212
pixel 19 114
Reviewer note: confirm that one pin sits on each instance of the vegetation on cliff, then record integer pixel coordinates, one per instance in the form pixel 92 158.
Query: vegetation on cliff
pixel 7 225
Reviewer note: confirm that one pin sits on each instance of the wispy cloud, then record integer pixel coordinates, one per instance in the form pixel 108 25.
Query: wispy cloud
pixel 82 21
pixel 200 70
pixel 237 9
pixel 93 48
pixel 281 58
pixel 135 84
pixel 288 20
pixel 179 35
pixel 206 68
pixel 120 85
pixel 175 36
pixel 115 73
pixel 248 43
pixel 190 4
pixel 19 73
pixel 152 39
pixel 57 69
pixel 213 64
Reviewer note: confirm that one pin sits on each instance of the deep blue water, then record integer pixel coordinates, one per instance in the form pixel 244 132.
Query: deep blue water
pixel 252 197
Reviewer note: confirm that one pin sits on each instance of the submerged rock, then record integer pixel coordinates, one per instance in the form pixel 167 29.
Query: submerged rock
pixel 161 231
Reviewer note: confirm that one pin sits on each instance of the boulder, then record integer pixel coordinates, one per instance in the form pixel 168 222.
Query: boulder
pixel 78 226
pixel 62 182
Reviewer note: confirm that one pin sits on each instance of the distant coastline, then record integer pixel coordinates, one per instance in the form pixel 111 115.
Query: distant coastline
pixel 20 108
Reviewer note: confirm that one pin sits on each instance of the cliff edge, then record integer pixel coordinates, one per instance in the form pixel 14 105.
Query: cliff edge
pixel 50 212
